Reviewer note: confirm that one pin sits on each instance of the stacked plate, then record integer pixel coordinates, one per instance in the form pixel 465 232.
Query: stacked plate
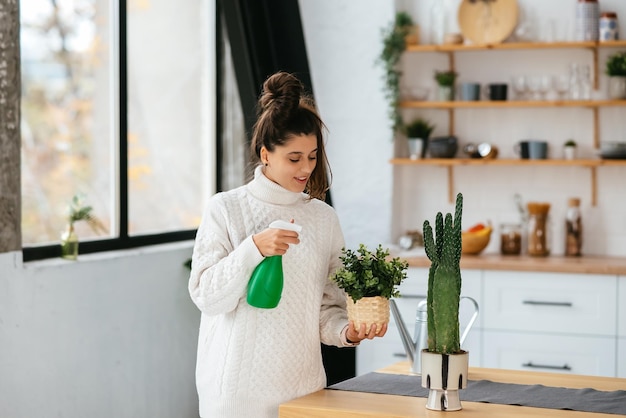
pixel 613 150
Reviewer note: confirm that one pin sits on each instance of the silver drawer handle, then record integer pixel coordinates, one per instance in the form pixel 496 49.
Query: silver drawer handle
pixel 546 366
pixel 403 355
pixel 537 302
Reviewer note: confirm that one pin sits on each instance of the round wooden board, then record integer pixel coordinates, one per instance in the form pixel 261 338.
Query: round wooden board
pixel 488 22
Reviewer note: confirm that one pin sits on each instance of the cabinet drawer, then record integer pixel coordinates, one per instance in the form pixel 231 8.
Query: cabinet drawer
pixel 550 302
pixel 549 353
pixel 621 307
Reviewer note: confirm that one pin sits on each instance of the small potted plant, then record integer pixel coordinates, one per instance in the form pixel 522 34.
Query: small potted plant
pixel 394 44
pixel 417 132
pixel 444 363
pixel 569 149
pixel 616 70
pixel 370 279
pixel 77 212
pixel 445 81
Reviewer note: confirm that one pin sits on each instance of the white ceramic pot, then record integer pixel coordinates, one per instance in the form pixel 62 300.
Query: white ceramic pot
pixel 617 87
pixel 444 375
pixel 416 145
pixel 569 152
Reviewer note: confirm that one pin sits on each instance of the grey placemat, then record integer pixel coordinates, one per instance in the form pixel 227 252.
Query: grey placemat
pixel 538 396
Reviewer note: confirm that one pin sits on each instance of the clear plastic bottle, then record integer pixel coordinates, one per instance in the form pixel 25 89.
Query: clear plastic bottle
pixel 573 228
pixel 585 82
pixel 437 22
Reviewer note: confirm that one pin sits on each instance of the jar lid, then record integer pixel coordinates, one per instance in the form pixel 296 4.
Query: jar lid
pixel 612 15
pixel 573 201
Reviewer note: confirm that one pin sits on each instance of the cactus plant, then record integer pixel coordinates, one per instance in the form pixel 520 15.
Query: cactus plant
pixel 444 281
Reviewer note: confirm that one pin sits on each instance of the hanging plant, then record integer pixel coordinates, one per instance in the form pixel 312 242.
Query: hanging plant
pixel 394 44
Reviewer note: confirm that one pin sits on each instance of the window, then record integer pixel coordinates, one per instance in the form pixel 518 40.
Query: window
pixel 118 105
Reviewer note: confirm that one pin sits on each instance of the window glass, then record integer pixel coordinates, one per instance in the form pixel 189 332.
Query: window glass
pixel 68 123
pixel 169 114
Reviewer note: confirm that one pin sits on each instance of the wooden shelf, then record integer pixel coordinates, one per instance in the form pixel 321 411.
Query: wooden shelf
pixel 482 104
pixel 450 163
pixel 516 45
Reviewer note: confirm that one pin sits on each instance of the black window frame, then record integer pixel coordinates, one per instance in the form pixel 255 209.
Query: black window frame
pixel 124 240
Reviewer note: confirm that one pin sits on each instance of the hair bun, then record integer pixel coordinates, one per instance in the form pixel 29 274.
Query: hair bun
pixel 281 96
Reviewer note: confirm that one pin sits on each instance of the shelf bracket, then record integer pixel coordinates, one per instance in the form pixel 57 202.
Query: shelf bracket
pixel 450 184
pixel 596 77
pixel 594 189
pixel 596 128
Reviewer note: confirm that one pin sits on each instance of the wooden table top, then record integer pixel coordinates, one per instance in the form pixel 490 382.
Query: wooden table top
pixel 344 404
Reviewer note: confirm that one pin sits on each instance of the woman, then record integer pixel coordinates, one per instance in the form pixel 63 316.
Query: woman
pixel 250 359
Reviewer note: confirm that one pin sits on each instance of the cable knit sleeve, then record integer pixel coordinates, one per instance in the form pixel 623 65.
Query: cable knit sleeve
pixel 333 315
pixel 220 271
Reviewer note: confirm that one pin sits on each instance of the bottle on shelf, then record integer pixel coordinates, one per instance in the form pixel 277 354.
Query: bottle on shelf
pixel 573 228
pixel 539 234
pixel 437 22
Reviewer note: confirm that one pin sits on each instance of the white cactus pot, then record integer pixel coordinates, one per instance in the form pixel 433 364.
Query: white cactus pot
pixel 444 375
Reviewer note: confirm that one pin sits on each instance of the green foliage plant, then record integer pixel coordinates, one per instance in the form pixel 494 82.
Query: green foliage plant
pixel 616 65
pixel 446 78
pixel 394 44
pixel 77 212
pixel 419 128
pixel 370 273
pixel 570 143
pixel 444 281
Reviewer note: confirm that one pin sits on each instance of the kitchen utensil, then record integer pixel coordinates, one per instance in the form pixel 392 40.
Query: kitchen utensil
pixel 488 22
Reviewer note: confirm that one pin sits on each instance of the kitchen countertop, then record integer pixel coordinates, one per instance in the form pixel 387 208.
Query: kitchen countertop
pixel 552 264
pixel 344 404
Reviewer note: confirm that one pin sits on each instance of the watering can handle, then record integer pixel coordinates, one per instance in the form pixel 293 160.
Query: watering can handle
pixel 472 319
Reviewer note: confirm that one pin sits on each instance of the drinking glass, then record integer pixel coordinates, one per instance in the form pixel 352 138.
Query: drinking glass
pixel 519 85
pixel 560 84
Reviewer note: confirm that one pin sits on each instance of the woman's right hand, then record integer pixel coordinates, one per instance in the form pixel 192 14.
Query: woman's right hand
pixel 272 241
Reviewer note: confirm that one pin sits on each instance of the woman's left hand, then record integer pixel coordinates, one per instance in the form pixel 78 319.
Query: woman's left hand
pixel 355 336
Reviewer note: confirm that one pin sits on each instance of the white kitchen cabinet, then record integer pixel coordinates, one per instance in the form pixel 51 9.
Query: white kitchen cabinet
pixel 577 304
pixel 381 352
pixel 621 357
pixel 549 352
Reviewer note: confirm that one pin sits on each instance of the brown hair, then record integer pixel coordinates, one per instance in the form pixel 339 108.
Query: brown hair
pixel 285 110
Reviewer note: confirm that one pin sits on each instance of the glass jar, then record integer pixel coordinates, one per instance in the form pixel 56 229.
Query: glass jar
pixel 69 243
pixel 539 234
pixel 510 239
pixel 573 228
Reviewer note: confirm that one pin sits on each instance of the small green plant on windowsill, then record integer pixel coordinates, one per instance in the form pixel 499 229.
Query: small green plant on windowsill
pixel 77 212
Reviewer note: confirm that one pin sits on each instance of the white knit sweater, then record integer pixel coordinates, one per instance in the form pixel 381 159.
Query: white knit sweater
pixel 249 359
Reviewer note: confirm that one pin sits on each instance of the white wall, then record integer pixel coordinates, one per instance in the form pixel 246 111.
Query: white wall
pixel 111 335
pixel 377 202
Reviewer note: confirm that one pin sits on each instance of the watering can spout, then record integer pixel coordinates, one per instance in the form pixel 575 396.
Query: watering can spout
pixel 414 347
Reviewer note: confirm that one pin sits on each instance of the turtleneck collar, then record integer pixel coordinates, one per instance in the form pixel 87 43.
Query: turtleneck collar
pixel 266 190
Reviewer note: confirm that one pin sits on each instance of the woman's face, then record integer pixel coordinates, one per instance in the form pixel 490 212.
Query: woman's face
pixel 290 165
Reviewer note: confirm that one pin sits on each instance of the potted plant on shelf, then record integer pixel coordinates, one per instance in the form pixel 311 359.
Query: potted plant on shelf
pixel 370 279
pixel 417 132
pixel 445 81
pixel 77 212
pixel 616 70
pixel 394 44
pixel 569 149
pixel 444 363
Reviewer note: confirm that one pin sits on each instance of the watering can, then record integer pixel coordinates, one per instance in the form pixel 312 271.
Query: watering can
pixel 414 347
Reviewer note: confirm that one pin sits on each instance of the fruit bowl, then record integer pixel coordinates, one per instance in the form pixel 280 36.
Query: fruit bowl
pixel 474 242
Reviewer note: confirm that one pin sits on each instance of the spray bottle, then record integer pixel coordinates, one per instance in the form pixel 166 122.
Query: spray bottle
pixel 266 283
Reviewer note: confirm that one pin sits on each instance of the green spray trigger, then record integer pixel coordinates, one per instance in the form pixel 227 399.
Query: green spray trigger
pixel 266 283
